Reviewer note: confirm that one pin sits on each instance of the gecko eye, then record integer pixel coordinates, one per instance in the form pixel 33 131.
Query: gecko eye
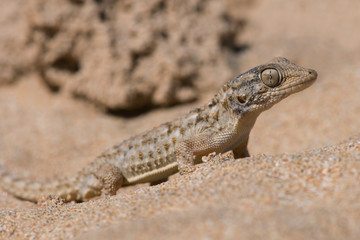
pixel 270 77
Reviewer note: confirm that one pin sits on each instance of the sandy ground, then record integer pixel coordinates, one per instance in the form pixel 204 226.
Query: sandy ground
pixel 293 187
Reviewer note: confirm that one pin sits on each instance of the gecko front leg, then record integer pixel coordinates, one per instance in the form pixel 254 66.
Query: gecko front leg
pixel 199 146
pixel 241 150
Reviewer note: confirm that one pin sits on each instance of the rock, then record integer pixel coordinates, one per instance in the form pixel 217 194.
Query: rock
pixel 122 55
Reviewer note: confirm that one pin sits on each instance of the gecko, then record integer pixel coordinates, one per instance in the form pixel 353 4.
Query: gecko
pixel 221 125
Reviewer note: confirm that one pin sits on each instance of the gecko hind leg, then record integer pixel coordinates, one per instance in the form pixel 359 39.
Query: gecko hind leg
pixel 111 177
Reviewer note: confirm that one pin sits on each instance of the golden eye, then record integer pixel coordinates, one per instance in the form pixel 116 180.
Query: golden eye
pixel 270 77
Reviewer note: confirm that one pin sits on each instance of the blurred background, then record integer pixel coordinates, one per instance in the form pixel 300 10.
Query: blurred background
pixel 77 76
pixel 128 57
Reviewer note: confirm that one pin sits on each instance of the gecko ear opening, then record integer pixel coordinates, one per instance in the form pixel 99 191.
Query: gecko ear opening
pixel 241 99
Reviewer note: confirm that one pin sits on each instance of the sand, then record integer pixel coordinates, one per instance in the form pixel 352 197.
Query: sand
pixel 302 180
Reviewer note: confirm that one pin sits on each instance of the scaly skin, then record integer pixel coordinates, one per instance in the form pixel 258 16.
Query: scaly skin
pixel 221 125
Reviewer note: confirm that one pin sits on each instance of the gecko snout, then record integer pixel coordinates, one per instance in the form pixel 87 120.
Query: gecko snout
pixel 313 73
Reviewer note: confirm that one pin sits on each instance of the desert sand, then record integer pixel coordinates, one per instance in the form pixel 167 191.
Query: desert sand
pixel 79 76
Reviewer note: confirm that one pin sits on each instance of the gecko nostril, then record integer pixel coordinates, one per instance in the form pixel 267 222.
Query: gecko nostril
pixel 313 73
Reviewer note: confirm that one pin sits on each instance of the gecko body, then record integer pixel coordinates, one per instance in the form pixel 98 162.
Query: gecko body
pixel 221 125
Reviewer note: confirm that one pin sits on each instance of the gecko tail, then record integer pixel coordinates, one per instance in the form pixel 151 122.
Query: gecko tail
pixel 34 191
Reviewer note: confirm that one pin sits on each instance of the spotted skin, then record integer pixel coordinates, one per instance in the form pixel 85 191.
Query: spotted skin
pixel 221 125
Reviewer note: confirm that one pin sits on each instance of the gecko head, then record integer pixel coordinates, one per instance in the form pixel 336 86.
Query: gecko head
pixel 263 86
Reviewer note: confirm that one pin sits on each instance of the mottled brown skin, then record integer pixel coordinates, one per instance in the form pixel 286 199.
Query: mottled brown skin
pixel 221 125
